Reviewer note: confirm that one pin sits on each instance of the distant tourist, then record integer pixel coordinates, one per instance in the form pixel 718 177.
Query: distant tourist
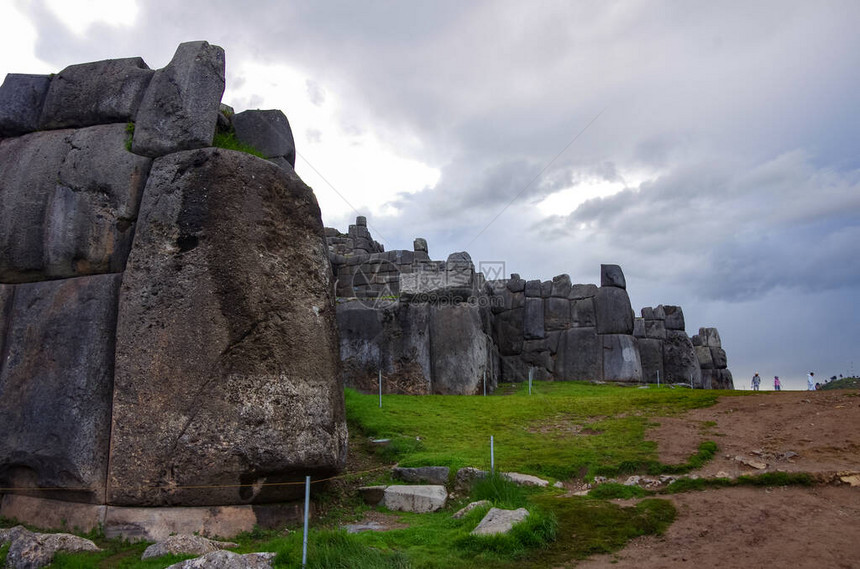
pixel 810 381
pixel 756 381
pixel 777 386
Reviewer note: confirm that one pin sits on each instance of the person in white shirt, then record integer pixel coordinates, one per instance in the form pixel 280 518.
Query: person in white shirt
pixel 810 381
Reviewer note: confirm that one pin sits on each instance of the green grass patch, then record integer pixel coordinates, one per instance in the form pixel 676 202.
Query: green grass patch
pixel 501 492
pixel 587 527
pixel 562 430
pixel 614 490
pixel 129 135
pixel 228 141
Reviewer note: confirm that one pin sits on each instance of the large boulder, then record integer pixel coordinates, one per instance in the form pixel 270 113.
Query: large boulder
pixel 580 355
pixel 415 498
pixel 394 337
pixel 582 314
pixel 710 337
pixel 21 99
pixel 180 108
pixel 621 360
pixel 718 355
pixel 557 313
pixel 498 521
pixel 703 354
pixel 55 384
pixel 270 133
pixel 613 310
pixel 227 368
pixel 508 331
pixel 651 356
pixel 100 92
pixel 679 359
pixel 460 351
pixel 68 203
pixel 228 560
pixel 29 550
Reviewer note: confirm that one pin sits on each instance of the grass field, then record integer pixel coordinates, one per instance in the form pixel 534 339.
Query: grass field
pixel 559 431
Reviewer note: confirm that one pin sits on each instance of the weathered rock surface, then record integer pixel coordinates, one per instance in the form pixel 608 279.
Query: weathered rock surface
pixel 580 355
pixel 525 479
pixel 500 521
pixel 180 108
pixel 29 550
pixel 415 498
pixel 424 474
pixel 679 359
pixel 461 513
pixel 674 317
pixel 651 356
pixel 21 99
pixel 99 92
pixel 185 545
pixel 55 384
pixel 68 203
pixel 226 353
pixel 269 132
pixel 613 310
pixel 466 476
pixel 460 349
pixel 612 275
pixel 621 360
pixel 533 325
pixel 228 560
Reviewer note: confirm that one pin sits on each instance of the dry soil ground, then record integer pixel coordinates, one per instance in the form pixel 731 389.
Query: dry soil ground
pixel 748 528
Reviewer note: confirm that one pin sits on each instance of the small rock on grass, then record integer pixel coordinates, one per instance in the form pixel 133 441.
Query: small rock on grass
pixel 185 544
pixel 500 521
pixel 468 508
pixel 228 560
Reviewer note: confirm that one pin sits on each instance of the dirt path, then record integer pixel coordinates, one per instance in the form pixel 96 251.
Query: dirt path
pixel 747 528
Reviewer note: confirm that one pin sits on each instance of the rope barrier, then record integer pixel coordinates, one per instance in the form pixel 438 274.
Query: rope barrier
pixel 204 486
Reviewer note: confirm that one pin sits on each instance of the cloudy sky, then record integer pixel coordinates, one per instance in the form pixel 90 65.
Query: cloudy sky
pixel 712 149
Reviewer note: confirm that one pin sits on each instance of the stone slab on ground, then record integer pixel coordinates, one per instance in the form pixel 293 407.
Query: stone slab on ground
pixel 184 544
pixel 500 521
pixel 415 498
pixel 461 513
pixel 426 474
pixel 525 479
pixel 228 560
pixel 30 550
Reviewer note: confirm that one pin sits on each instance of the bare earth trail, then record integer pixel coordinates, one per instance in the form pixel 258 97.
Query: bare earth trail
pixel 749 528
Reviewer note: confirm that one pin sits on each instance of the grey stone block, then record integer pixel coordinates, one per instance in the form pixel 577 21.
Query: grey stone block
pixel 533 326
pixel 651 356
pixel 582 313
pixel 516 284
pixel 655 329
pixel 679 359
pixel 703 354
pixel 420 244
pixel 21 100
pixel 710 337
pixel 557 313
pixel 100 92
pixel 561 286
pixel 416 498
pixel 422 474
pixel 612 275
pixel 68 203
pixel 546 289
pixel 638 327
pixel 269 132
pixel 579 291
pixel 613 310
pixel 621 360
pixel 718 355
pixel 225 294
pixel 498 521
pixel 580 355
pixel 180 108
pixel 55 385
pixel 460 351
pixel 533 289
pixel 674 317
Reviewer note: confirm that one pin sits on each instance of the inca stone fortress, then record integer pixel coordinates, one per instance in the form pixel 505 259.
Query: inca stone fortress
pixel 177 326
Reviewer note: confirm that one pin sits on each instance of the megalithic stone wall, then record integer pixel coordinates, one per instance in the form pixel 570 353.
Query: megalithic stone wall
pixel 417 320
pixel 166 308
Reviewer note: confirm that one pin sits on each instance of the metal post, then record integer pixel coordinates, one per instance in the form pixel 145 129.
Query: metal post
pixel 658 378
pixel 307 509
pixel 691 381
pixel 531 375
pixel 492 457
pixel 485 383
pixel 380 388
